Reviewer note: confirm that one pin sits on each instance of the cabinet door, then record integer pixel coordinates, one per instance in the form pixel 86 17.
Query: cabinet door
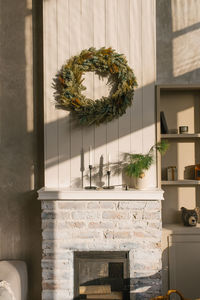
pixel 184 264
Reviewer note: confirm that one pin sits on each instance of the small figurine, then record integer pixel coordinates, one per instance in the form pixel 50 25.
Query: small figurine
pixel 190 216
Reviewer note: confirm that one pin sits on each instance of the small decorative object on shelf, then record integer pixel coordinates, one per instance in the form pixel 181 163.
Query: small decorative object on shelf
pixel 190 216
pixel 172 173
pixel 197 172
pixel 183 129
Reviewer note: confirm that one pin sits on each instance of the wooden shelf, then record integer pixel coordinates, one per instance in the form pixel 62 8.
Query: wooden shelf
pixel 180 182
pixel 180 136
pixel 181 229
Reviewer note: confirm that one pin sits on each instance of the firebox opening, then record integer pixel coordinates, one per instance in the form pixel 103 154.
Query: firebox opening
pixel 101 275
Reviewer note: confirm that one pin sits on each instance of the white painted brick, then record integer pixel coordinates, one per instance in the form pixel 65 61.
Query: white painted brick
pixel 56 295
pixel 55 215
pixel 88 234
pixel 56 264
pixel 153 205
pixel 49 205
pixel 110 215
pixel 132 204
pixel 57 284
pixel 63 215
pixel 125 224
pixel 48 215
pixel 152 215
pixel 55 274
pixel 93 205
pixel 133 226
pixel 55 254
pixel 108 204
pixel 48 224
pixel 101 225
pixel 71 225
pixel 72 205
pixel 82 215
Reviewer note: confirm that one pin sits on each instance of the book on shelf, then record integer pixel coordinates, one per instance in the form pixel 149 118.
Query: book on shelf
pixel 163 123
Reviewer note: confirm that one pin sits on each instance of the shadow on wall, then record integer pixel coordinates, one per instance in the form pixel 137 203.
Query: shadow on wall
pixel 20 157
pixel 52 158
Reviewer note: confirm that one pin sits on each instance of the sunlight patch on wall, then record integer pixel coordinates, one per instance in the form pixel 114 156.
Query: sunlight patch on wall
pixel 186 30
pixel 29 67
pixel 184 14
pixel 186 56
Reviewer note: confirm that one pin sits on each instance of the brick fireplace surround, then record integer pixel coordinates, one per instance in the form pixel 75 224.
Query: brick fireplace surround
pixel 101 221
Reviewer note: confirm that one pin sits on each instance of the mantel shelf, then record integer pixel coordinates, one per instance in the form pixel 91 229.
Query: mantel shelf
pixel 180 136
pixel 116 194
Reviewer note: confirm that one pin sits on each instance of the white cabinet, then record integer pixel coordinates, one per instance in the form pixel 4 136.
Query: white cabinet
pixel 181 260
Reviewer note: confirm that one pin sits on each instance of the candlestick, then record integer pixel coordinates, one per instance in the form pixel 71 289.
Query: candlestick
pixel 108 187
pixel 90 187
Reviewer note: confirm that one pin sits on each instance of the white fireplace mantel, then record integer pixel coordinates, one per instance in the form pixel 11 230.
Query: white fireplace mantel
pixel 116 194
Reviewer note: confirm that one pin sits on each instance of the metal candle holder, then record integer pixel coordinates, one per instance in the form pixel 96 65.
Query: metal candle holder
pixel 90 187
pixel 108 187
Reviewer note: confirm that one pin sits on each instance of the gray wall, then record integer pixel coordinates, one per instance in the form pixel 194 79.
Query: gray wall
pixel 21 135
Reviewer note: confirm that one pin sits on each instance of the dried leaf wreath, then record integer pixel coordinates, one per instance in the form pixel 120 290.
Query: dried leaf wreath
pixel 105 63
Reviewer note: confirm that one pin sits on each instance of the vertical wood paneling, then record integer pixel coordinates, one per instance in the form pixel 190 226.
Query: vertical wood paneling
pixel 87 41
pixel 70 26
pixel 112 127
pixel 76 131
pixel 148 78
pixel 50 69
pixel 124 47
pixel 99 90
pixel 63 116
pixel 135 63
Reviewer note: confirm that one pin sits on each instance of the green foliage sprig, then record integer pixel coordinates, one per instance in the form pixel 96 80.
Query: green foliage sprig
pixel 138 163
pixel 104 62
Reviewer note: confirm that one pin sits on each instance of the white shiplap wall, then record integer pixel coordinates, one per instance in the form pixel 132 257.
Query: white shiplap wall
pixel 70 26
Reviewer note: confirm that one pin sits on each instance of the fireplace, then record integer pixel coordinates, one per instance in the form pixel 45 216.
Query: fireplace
pixel 112 242
pixel 100 275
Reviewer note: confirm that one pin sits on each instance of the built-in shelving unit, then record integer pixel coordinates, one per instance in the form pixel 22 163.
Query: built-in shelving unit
pixel 181 107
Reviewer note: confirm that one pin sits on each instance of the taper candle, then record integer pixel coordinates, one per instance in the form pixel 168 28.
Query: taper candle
pixel 108 161
pixel 90 156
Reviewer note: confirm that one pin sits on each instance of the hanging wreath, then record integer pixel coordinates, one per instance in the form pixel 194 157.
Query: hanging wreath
pixel 105 63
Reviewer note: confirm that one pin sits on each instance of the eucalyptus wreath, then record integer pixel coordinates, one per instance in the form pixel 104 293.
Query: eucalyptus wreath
pixel 105 62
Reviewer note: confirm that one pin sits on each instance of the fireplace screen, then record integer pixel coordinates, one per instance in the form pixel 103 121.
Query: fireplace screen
pixel 101 275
